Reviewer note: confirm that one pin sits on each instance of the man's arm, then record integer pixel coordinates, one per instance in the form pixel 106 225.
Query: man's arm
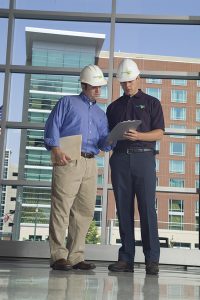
pixel 150 136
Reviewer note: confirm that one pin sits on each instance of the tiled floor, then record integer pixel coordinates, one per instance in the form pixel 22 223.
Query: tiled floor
pixel 33 279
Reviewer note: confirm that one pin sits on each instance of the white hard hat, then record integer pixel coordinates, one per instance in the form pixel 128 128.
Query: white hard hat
pixel 127 70
pixel 92 75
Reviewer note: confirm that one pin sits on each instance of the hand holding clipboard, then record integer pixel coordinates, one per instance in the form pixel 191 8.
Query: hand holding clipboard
pixel 118 131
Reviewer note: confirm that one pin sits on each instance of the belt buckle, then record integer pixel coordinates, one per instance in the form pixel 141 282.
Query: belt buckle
pixel 129 151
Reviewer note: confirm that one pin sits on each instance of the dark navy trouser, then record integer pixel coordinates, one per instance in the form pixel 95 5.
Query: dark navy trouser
pixel 135 175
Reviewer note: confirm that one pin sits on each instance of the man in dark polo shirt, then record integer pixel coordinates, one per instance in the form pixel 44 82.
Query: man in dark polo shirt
pixel 133 169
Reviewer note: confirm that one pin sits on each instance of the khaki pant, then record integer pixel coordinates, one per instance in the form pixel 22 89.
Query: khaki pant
pixel 73 202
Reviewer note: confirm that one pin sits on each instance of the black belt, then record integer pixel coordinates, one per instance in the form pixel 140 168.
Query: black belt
pixel 135 150
pixel 87 155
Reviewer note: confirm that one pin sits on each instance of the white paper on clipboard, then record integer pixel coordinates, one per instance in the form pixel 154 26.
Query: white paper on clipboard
pixel 118 131
pixel 71 145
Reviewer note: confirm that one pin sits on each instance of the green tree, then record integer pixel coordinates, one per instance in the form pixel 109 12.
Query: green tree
pixel 92 235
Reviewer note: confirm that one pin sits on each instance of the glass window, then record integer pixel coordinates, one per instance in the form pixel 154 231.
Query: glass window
pixel 176 212
pixel 104 91
pixel 197 214
pixel 179 96
pixel 3 33
pixel 100 179
pixel 157 165
pixel 179 82
pixel 177 126
pixel 198 82
pixel 198 115
pixel 60 5
pixel 198 97
pixel 155 92
pixel 1 87
pixel 176 205
pixel 178 113
pixel 197 166
pixel 100 161
pixel 177 182
pixel 177 148
pixel 177 166
pixel 103 106
pixel 197 150
pixel 154 81
pixel 197 184
pixel 175 222
pixel 157 145
pixel 99 199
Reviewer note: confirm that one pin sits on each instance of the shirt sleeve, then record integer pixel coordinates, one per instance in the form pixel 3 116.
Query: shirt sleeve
pixel 102 144
pixel 157 117
pixel 54 124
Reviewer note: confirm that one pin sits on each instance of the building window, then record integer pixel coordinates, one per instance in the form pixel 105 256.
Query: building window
pixel 177 182
pixel 104 92
pixel 176 213
pixel 100 161
pixel 177 148
pixel 197 215
pixel 157 145
pixel 156 205
pixel 178 113
pixel 99 199
pixel 197 184
pixel 177 127
pixel 157 181
pixel 154 81
pixel 198 82
pixel 98 218
pixel 177 166
pixel 103 106
pixel 100 179
pixel 197 168
pixel 198 115
pixel 154 92
pixel 197 150
pixel 179 82
pixel 157 165
pixel 198 98
pixel 179 96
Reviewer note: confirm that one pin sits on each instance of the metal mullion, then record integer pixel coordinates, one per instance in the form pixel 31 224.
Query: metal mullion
pixel 62 16
pixel 103 17
pixel 106 160
pixel 7 82
pixel 4 13
pixel 6 94
pixel 158 19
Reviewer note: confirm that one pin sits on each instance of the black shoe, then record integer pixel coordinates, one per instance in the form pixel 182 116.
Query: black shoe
pixel 120 266
pixel 152 268
pixel 61 264
pixel 83 265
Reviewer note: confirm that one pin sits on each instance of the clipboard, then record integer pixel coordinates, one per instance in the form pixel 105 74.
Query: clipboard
pixel 71 145
pixel 118 131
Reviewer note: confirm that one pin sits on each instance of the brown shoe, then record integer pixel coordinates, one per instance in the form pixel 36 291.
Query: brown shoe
pixel 83 265
pixel 62 264
pixel 152 268
pixel 121 266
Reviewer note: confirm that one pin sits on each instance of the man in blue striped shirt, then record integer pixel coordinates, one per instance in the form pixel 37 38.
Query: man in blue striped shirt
pixel 74 181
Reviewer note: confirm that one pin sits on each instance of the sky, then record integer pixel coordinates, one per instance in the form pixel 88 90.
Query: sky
pixel 168 40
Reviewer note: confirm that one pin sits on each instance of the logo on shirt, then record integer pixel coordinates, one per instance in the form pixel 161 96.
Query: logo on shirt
pixel 140 106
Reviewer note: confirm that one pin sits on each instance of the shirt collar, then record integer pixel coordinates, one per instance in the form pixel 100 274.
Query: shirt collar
pixel 137 95
pixel 86 99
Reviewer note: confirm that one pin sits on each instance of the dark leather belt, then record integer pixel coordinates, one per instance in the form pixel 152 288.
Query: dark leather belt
pixel 135 150
pixel 87 155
